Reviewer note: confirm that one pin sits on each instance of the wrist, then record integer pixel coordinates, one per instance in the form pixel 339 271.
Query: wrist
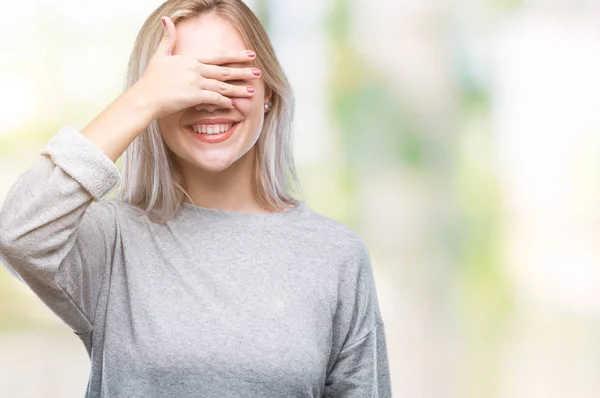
pixel 139 101
pixel 120 122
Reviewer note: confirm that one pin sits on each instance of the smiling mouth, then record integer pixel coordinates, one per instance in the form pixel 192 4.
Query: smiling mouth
pixel 213 129
pixel 213 134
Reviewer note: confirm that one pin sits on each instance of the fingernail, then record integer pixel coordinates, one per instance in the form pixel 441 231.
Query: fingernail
pixel 251 54
pixel 164 23
pixel 233 103
pixel 256 72
pixel 250 89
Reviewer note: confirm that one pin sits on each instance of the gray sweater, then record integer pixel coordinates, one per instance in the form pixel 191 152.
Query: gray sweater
pixel 215 303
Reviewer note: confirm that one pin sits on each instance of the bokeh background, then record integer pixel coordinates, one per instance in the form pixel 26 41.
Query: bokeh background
pixel 461 139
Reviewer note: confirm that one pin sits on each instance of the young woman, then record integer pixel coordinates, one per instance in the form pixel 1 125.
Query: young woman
pixel 205 277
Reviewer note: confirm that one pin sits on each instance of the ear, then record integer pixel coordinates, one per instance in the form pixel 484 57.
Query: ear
pixel 268 94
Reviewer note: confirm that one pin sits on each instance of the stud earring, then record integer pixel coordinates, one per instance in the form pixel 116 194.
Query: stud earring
pixel 268 107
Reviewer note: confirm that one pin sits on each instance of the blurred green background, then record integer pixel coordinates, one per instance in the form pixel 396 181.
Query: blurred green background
pixel 460 139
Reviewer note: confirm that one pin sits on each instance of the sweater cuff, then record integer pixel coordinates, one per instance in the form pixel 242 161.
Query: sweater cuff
pixel 83 161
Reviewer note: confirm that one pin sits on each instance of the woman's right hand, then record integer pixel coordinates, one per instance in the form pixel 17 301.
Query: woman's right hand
pixel 172 83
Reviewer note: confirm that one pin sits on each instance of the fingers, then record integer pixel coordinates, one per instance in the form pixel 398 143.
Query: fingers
pixel 212 97
pixel 228 56
pixel 226 89
pixel 225 73
pixel 166 45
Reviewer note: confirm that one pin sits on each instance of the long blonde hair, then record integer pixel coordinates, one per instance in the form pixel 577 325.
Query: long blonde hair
pixel 150 180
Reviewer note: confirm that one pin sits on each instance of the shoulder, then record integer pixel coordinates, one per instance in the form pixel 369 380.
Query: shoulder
pixel 347 256
pixel 113 211
pixel 107 206
pixel 335 237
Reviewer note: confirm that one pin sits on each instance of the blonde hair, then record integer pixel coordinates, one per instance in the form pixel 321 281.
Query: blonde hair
pixel 150 180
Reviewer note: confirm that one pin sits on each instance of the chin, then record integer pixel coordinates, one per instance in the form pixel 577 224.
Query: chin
pixel 211 159
pixel 216 158
pixel 214 166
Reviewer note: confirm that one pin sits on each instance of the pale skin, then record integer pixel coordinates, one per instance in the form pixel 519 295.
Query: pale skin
pixel 189 78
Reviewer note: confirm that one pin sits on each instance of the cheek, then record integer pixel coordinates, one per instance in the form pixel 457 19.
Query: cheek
pixel 166 123
pixel 251 108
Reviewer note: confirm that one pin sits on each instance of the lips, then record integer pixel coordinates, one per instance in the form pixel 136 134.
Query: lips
pixel 213 138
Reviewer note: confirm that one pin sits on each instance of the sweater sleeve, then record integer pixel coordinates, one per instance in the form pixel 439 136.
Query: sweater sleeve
pixel 360 368
pixel 55 233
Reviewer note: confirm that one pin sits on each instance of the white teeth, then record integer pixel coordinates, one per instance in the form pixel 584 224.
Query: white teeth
pixel 212 129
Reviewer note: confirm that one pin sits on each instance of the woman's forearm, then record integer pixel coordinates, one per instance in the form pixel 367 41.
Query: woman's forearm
pixel 120 122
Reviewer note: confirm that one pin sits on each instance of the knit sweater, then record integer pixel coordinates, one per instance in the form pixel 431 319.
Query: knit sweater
pixel 214 303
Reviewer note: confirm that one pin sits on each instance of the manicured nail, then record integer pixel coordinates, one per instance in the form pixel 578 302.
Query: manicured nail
pixel 250 89
pixel 256 72
pixel 251 54
pixel 233 103
pixel 164 23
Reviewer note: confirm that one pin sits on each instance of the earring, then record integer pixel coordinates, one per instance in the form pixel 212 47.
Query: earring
pixel 268 107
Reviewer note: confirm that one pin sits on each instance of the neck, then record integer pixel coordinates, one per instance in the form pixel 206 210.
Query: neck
pixel 230 189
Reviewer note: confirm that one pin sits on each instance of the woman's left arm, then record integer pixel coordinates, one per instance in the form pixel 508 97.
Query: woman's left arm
pixel 360 369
